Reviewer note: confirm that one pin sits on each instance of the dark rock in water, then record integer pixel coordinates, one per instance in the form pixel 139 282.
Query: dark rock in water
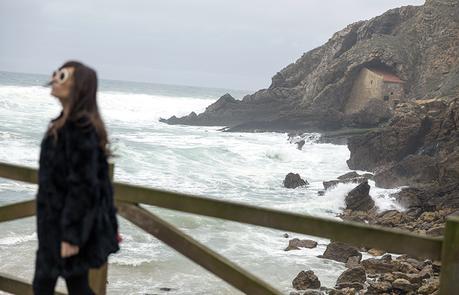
pixel 321 193
pixel 359 198
pixel 330 184
pixel 352 275
pixel 300 144
pixel 349 175
pixel 340 252
pixel 306 280
pixel 296 244
pixel 293 180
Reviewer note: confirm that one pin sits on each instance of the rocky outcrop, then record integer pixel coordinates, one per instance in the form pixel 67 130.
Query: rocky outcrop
pixel 418 148
pixel 418 44
pixel 415 220
pixel 359 198
pixel 294 180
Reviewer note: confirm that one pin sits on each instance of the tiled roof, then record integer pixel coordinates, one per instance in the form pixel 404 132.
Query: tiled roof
pixel 387 76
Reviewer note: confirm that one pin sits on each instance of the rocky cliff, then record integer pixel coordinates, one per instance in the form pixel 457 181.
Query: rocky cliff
pixel 417 43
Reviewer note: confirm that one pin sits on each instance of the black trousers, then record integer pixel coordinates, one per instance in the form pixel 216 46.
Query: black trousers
pixel 76 285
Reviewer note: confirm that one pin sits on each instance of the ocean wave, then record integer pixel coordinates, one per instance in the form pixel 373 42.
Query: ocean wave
pixel 15 240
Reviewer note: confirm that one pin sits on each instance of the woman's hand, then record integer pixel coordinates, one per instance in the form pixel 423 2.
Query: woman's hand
pixel 68 250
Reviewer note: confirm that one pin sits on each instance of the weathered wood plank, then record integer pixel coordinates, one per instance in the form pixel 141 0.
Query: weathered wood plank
pixel 18 172
pixel 449 275
pixel 17 210
pixel 358 234
pixel 15 285
pixel 210 260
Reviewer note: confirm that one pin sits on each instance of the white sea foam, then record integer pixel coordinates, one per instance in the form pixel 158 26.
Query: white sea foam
pixel 15 239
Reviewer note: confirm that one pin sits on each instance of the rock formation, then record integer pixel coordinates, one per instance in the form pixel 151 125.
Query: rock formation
pixel 416 43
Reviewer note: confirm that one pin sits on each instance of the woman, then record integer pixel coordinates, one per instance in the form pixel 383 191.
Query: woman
pixel 76 218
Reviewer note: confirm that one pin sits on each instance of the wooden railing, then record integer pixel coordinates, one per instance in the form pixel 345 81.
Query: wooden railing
pixel 129 197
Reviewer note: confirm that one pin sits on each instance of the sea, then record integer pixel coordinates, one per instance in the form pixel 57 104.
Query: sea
pixel 248 168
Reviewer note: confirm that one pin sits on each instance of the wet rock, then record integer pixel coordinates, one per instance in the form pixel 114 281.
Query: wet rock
pixel 403 285
pixel 359 198
pixel 352 275
pixel 429 287
pixel 380 287
pixel 386 258
pixel 293 180
pixel 306 280
pixel 376 252
pixel 412 170
pixel 340 252
pixel 373 265
pixel 349 175
pixel 353 261
pixel 332 183
pixel 296 244
pixel 300 144
pixel 353 285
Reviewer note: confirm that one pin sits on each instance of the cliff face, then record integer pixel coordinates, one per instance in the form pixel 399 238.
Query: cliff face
pixel 419 44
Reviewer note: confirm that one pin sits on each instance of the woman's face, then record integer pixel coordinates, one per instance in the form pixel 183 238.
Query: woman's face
pixel 62 82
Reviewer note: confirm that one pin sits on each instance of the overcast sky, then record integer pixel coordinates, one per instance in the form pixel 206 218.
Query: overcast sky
pixel 237 44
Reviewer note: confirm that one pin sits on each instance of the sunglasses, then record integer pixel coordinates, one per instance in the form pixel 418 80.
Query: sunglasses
pixel 61 75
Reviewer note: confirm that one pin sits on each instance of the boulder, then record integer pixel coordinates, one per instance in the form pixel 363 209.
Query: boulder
pixel 359 198
pixel 296 244
pixel 373 265
pixel 332 183
pixel 403 285
pixel 352 275
pixel 349 175
pixel 340 252
pixel 353 261
pixel 306 280
pixel 293 180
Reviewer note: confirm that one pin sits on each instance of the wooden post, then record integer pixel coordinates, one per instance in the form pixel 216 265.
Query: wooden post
pixel 449 275
pixel 98 276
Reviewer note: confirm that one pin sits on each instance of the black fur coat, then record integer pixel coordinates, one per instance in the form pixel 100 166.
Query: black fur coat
pixel 74 187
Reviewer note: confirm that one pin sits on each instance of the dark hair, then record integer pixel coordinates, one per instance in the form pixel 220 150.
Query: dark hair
pixel 82 103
